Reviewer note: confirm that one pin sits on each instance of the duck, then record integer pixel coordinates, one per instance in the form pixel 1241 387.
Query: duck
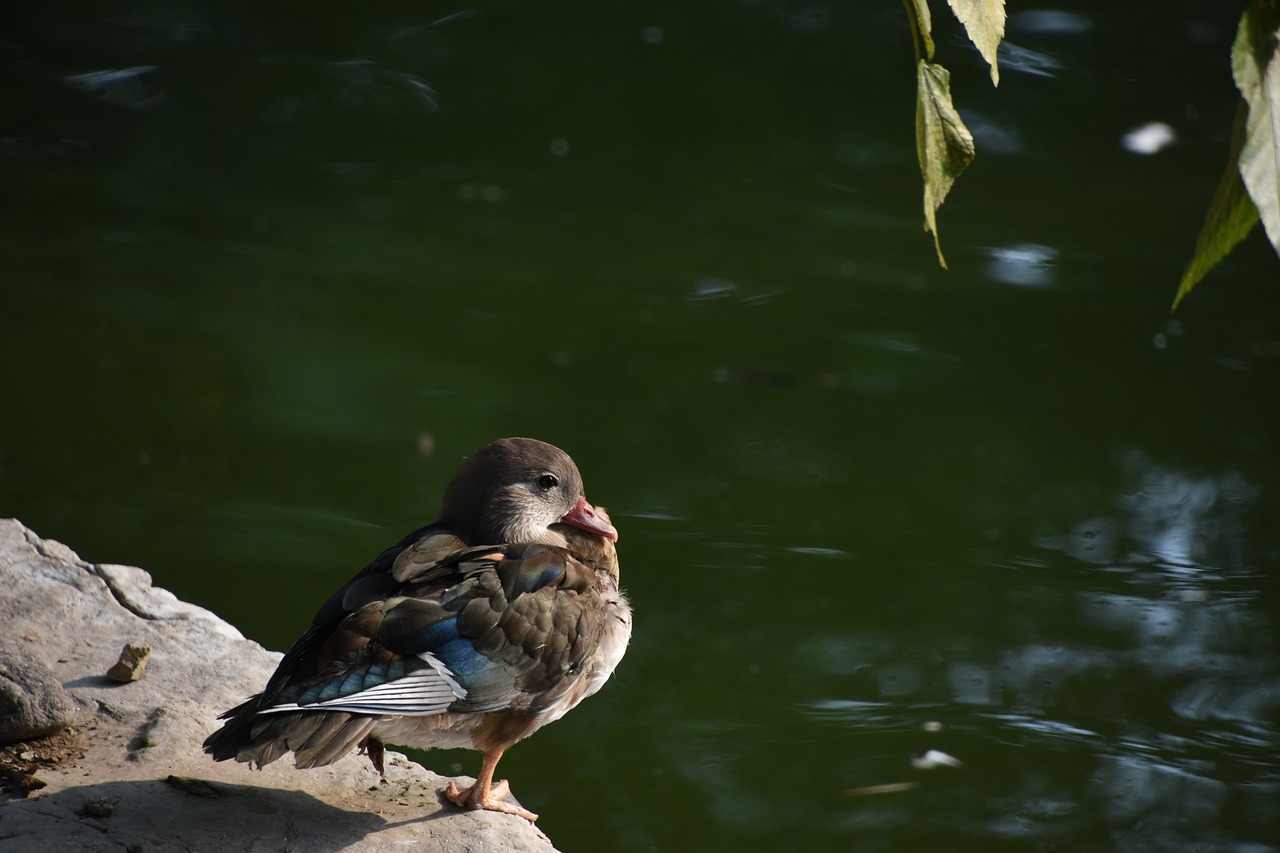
pixel 473 631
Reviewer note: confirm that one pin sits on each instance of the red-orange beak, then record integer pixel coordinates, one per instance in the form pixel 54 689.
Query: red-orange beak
pixel 582 515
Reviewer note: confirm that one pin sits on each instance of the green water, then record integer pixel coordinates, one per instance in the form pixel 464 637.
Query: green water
pixel 265 288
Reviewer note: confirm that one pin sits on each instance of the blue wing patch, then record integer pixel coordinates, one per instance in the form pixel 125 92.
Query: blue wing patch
pixel 430 638
pixel 461 657
pixel 359 679
pixel 551 574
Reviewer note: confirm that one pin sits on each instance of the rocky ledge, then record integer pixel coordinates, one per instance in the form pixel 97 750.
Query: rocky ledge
pixel 91 762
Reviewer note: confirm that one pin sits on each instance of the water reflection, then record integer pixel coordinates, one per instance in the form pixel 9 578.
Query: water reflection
pixel 351 83
pixel 1149 138
pixel 1130 695
pixel 717 774
pixel 1050 22
pixel 991 136
pixel 1013 57
pixel 1024 265
pixel 124 87
pixel 1186 522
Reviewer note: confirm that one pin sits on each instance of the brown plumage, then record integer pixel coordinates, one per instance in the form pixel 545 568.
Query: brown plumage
pixel 472 632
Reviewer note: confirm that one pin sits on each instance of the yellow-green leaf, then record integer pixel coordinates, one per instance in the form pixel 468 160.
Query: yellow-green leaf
pixel 923 24
pixel 943 144
pixel 1255 64
pixel 1231 216
pixel 984 22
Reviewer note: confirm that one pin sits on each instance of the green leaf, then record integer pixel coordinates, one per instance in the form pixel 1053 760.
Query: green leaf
pixel 984 22
pixel 1256 67
pixel 943 144
pixel 923 22
pixel 1231 216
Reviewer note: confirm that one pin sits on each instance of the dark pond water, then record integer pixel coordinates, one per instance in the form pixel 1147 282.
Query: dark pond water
pixel 270 273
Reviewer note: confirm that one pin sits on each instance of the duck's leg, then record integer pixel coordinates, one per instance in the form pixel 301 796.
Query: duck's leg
pixel 487 794
pixel 373 748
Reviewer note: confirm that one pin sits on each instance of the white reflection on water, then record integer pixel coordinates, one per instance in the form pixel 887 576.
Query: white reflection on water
pixel 355 83
pixel 120 87
pixel 1234 696
pixel 1049 730
pixel 1139 787
pixel 1150 138
pixel 713 288
pixel 1023 265
pixel 817 551
pixel 1183 519
pixel 367 83
pixel 898 342
pixel 1186 522
pixel 1013 57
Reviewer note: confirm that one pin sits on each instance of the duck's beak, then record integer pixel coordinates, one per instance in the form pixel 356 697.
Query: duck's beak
pixel 582 515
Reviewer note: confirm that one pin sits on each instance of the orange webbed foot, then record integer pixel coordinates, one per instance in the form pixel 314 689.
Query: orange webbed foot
pixel 496 798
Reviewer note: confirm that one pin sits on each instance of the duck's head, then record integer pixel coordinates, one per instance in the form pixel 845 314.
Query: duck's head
pixel 514 490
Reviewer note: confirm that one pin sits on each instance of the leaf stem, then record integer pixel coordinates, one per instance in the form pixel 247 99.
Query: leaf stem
pixel 915 27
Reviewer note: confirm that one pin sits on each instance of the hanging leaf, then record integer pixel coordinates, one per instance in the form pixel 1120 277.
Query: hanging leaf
pixel 923 24
pixel 1231 216
pixel 1255 64
pixel 984 22
pixel 943 144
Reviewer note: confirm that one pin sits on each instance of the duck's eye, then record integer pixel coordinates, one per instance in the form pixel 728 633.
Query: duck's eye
pixel 548 481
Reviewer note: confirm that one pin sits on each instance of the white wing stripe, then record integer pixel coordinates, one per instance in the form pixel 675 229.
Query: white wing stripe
pixel 459 692
pixel 422 694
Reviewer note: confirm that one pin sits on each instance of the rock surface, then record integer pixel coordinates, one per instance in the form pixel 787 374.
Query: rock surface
pixel 32 701
pixel 129 774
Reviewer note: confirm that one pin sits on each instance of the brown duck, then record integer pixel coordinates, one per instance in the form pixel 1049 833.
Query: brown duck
pixel 474 631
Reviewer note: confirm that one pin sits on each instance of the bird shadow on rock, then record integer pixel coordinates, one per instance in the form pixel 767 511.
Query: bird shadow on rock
pixel 186 813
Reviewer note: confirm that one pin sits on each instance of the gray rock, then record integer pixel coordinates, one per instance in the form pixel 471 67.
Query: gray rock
pixel 32 702
pixel 129 774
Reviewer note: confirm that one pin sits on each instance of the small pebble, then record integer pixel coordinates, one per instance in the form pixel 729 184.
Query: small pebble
pixel 132 664
pixel 98 807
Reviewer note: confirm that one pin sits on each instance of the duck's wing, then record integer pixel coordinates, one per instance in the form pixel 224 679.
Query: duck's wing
pixel 492 628
pixel 309 655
